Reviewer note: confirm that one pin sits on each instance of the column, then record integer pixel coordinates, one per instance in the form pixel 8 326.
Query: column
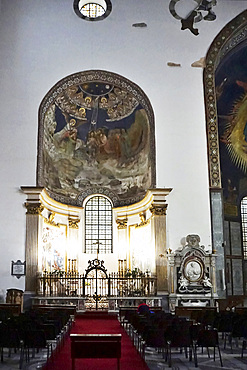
pixel 33 222
pixel 123 244
pixel 218 242
pixel 158 225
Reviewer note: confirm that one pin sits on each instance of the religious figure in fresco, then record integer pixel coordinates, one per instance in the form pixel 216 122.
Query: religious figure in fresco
pixel 53 252
pixel 235 134
pixel 231 94
pixel 96 135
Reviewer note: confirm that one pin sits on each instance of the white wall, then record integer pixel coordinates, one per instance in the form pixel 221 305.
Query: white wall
pixel 41 42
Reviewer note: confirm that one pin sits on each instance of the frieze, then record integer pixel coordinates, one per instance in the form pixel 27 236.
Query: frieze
pixel 83 195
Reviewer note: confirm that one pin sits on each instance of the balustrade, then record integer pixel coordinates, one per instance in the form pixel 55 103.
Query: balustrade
pixel 61 284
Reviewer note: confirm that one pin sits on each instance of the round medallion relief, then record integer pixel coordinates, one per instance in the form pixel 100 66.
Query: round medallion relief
pixel 193 270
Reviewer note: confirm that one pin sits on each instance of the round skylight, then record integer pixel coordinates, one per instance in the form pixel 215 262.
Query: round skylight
pixel 92 10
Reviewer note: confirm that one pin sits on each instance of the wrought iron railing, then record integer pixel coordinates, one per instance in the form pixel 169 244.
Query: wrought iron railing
pixel 61 284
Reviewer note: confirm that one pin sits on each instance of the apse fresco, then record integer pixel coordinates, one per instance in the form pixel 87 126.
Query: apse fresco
pixel 96 139
pixel 231 92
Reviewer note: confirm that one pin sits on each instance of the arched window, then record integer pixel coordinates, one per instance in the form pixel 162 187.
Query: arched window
pixel 98 225
pixel 244 225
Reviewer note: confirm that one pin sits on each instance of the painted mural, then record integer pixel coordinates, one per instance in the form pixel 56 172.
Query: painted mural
pixel 231 91
pixel 53 248
pixel 97 138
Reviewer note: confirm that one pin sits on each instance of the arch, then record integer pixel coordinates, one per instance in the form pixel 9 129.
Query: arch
pixel 232 35
pixel 96 135
pixel 98 225
pixel 225 215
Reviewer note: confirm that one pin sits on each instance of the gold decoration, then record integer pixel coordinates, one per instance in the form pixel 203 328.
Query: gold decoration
pixel 50 219
pixel 121 223
pixel 143 222
pixel 34 209
pixel 88 99
pixel 82 112
pixel 158 210
pixel 73 223
pixel 72 122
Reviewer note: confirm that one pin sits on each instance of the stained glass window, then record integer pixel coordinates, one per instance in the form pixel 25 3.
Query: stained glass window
pixel 98 225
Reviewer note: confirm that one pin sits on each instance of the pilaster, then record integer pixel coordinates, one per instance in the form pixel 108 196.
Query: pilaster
pixel 34 209
pixel 158 210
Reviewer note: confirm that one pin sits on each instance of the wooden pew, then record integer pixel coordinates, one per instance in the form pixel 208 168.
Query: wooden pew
pixel 71 309
pixel 10 309
pixel 95 346
pixel 196 313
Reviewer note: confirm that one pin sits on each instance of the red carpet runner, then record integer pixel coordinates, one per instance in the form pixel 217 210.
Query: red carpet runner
pixel 130 358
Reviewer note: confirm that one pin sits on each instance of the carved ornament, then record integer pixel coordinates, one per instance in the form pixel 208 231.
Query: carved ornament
pixel 143 222
pixel 34 208
pixel 158 210
pixel 194 274
pixel 73 223
pixel 122 223
pixel 50 219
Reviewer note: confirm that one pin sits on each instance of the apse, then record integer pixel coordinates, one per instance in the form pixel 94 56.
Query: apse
pixel 96 135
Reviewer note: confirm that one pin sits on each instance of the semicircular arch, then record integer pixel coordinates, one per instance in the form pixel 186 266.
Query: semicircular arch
pixel 96 135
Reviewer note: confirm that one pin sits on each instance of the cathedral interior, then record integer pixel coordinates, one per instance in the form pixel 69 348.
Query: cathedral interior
pixel 128 177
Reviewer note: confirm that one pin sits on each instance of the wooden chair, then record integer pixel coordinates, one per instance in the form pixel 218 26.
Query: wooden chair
pixel 208 338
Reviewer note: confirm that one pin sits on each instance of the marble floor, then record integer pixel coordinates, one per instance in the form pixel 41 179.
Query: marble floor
pixel 231 360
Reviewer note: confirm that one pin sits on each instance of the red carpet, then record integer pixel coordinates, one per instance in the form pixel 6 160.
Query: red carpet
pixel 130 358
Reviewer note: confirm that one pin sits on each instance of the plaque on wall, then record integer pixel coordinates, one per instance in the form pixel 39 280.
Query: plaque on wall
pixel 236 244
pixel 237 276
pixel 18 268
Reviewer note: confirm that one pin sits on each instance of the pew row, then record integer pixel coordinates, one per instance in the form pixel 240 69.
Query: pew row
pixel 95 346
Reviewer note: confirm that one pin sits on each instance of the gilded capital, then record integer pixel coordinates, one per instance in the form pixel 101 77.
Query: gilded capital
pixel 73 223
pixel 121 223
pixel 34 208
pixel 158 210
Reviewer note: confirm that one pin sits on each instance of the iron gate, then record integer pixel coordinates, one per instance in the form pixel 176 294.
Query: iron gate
pixel 97 286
